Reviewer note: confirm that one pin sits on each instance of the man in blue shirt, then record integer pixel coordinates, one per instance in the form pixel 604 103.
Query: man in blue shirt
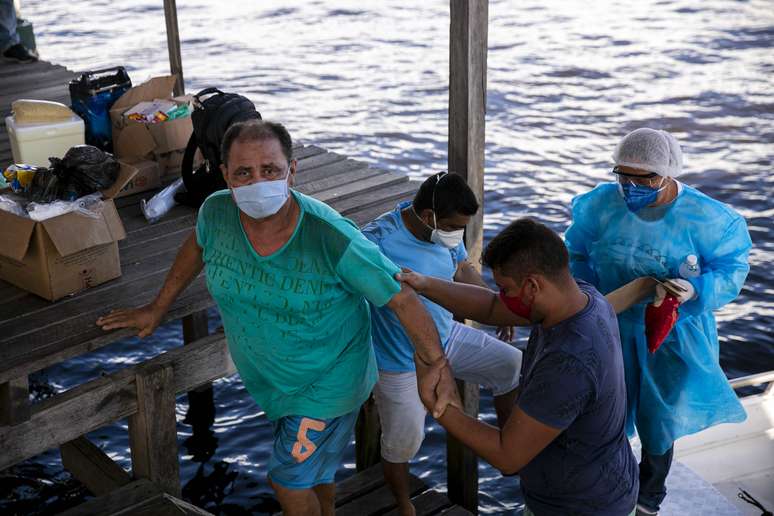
pixel 425 235
pixel 566 435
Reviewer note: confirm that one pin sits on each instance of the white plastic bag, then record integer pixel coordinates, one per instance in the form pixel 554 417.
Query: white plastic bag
pixel 158 205
pixel 10 204
pixel 88 205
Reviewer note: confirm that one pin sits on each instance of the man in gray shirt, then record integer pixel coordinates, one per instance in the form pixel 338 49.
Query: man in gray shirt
pixel 566 435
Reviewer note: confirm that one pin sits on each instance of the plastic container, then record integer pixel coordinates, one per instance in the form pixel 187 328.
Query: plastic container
pixel 690 267
pixel 92 95
pixel 33 144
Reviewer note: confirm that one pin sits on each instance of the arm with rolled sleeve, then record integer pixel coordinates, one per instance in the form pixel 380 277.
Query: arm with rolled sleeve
pixel 724 270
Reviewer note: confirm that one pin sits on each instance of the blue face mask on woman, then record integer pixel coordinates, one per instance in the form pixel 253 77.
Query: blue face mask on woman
pixel 639 196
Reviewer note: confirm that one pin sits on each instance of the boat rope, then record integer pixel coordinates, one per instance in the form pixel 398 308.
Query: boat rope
pixel 747 497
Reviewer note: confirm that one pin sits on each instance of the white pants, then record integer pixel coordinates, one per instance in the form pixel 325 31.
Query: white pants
pixel 475 357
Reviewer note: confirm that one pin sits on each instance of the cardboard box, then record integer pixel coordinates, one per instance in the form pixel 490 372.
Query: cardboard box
pixel 170 162
pixel 147 177
pixel 66 254
pixel 135 141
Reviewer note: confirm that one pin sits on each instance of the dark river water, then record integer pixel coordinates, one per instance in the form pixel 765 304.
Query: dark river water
pixel 566 80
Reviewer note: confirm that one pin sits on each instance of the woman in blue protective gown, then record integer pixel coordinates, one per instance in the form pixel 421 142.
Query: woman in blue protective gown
pixel 647 224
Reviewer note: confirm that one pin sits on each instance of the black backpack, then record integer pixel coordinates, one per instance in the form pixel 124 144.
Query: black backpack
pixel 211 118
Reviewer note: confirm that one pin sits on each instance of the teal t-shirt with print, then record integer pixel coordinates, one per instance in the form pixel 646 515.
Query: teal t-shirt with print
pixel 297 321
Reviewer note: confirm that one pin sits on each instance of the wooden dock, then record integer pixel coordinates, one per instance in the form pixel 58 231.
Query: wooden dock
pixel 35 334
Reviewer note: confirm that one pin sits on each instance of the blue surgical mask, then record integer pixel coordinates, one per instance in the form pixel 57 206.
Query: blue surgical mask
pixel 639 196
pixel 262 199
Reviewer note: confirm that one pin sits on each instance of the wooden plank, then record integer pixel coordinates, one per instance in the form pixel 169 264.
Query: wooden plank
pixel 77 307
pixel 379 501
pixel 153 429
pixel 429 502
pixel 468 35
pixel 313 188
pixel 137 262
pixel 56 92
pixel 12 69
pixel 318 160
pixel 43 78
pixel 364 216
pixel 359 484
pixel 368 432
pixel 457 511
pixel 67 416
pixel 163 505
pixel 92 405
pixel 373 197
pixel 80 335
pixel 332 169
pixel 92 467
pixel 307 151
pixel 15 401
pixel 109 504
pixel 354 188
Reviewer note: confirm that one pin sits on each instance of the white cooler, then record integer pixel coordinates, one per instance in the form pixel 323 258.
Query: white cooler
pixel 33 144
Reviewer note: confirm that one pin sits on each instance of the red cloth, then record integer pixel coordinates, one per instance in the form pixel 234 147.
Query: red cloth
pixel 659 321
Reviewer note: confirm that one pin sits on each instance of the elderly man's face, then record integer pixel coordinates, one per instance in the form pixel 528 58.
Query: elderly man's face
pixel 252 161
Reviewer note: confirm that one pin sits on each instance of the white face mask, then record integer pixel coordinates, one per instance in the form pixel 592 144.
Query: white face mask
pixel 450 239
pixel 262 199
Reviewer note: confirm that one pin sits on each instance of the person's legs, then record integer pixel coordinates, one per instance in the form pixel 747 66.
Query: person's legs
pixel 396 475
pixel 297 502
pixel 653 473
pixel 402 417
pixel 326 496
pixel 8 35
pixel 477 357
pixel 307 452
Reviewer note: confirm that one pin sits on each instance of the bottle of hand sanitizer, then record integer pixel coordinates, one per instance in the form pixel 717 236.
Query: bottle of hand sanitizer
pixel 690 267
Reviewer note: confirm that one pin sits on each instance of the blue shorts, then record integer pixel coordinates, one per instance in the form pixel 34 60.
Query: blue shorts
pixel 308 451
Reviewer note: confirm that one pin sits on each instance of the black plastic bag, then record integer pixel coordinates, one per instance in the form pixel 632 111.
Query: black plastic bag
pixel 89 169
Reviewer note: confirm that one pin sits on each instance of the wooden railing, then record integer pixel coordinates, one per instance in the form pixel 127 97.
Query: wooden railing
pixel 144 393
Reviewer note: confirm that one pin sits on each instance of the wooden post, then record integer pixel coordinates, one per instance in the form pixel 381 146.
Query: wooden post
pixel 201 405
pixel 153 431
pixel 467 111
pixel 14 401
pixel 173 44
pixel 368 435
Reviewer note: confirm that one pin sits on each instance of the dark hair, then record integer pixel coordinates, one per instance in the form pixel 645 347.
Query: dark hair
pixel 251 130
pixel 528 247
pixel 452 196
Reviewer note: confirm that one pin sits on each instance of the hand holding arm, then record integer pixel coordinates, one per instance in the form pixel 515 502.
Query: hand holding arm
pixel 427 345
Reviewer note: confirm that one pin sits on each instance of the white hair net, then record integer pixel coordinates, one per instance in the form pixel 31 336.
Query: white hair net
pixel 652 150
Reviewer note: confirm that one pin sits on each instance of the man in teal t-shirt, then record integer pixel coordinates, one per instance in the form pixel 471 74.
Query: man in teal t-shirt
pixel 292 279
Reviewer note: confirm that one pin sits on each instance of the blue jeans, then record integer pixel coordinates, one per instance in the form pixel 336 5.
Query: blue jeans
pixel 653 473
pixel 8 34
